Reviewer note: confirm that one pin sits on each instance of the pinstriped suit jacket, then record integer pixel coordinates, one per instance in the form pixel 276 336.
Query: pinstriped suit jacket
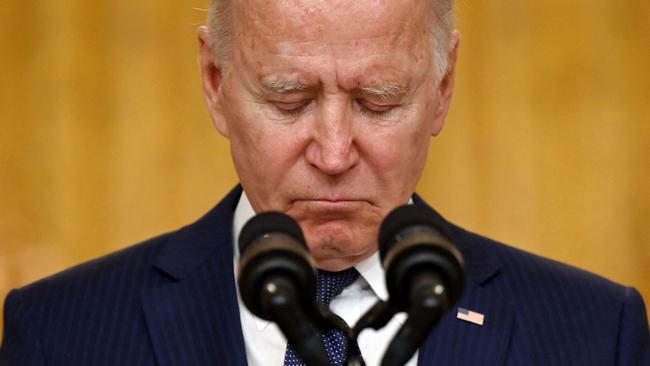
pixel 172 301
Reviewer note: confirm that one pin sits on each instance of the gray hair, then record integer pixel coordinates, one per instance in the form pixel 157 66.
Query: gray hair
pixel 219 23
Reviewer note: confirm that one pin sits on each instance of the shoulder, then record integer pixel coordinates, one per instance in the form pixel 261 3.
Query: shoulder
pixel 521 272
pixel 565 308
pixel 525 273
pixel 132 263
pixel 106 287
pixel 98 305
pixel 75 308
pixel 558 304
pixel 147 263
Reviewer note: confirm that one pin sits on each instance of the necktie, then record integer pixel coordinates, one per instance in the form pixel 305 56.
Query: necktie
pixel 329 285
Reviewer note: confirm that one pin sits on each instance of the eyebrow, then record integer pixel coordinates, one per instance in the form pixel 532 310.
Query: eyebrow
pixel 385 91
pixel 281 86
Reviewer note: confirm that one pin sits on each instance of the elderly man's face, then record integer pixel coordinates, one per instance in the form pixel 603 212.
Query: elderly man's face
pixel 329 108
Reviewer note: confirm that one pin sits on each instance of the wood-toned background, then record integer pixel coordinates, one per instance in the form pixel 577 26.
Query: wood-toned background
pixel 104 139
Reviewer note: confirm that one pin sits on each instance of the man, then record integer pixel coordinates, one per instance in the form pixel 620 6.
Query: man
pixel 329 107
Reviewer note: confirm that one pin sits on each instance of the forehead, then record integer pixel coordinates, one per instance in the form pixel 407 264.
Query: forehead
pixel 301 13
pixel 339 28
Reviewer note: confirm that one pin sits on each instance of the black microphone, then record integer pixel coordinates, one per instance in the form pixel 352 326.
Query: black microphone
pixel 424 275
pixel 277 281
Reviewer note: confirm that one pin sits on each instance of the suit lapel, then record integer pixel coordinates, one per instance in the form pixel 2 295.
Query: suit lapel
pixel 193 319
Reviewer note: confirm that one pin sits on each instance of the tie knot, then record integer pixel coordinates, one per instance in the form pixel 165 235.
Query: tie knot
pixel 330 284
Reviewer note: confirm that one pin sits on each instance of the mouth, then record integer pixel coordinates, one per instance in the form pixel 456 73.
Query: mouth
pixel 329 204
pixel 330 199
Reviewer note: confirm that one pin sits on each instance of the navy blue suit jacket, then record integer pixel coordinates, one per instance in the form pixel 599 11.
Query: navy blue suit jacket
pixel 172 301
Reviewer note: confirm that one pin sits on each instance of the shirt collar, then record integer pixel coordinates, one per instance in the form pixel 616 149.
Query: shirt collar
pixel 243 212
pixel 372 272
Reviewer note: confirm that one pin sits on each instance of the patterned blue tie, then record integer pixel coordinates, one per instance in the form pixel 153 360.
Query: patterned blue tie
pixel 329 285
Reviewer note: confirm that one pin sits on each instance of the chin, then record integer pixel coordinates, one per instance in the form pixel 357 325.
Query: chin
pixel 338 263
pixel 338 252
pixel 338 240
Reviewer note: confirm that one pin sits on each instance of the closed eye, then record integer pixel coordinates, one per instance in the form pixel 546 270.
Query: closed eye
pixel 373 108
pixel 291 108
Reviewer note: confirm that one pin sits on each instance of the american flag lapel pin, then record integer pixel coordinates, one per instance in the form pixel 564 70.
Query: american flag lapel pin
pixel 470 316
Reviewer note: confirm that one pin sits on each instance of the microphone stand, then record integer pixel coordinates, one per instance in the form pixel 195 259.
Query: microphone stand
pixel 427 307
pixel 375 318
pixel 280 305
pixel 327 320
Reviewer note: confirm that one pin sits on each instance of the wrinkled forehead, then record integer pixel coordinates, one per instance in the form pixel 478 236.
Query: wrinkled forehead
pixel 398 23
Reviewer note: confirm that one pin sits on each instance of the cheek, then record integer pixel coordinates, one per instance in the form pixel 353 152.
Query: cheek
pixel 247 132
pixel 397 155
pixel 262 149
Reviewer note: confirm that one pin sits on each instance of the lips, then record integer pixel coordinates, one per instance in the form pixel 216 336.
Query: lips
pixel 334 202
pixel 327 204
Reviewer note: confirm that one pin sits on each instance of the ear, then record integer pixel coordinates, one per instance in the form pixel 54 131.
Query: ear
pixel 446 86
pixel 212 78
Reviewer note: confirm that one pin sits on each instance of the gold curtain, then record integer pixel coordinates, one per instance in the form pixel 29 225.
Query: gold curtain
pixel 104 140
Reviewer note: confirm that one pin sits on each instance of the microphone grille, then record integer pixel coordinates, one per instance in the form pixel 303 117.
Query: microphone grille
pixel 269 222
pixel 406 216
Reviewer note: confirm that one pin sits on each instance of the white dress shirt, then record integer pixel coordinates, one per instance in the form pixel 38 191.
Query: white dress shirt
pixel 265 343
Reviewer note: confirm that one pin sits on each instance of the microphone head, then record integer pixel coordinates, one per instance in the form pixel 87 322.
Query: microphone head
pixel 413 239
pixel 266 223
pixel 408 216
pixel 272 246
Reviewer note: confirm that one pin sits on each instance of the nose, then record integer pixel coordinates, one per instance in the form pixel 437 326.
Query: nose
pixel 333 147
